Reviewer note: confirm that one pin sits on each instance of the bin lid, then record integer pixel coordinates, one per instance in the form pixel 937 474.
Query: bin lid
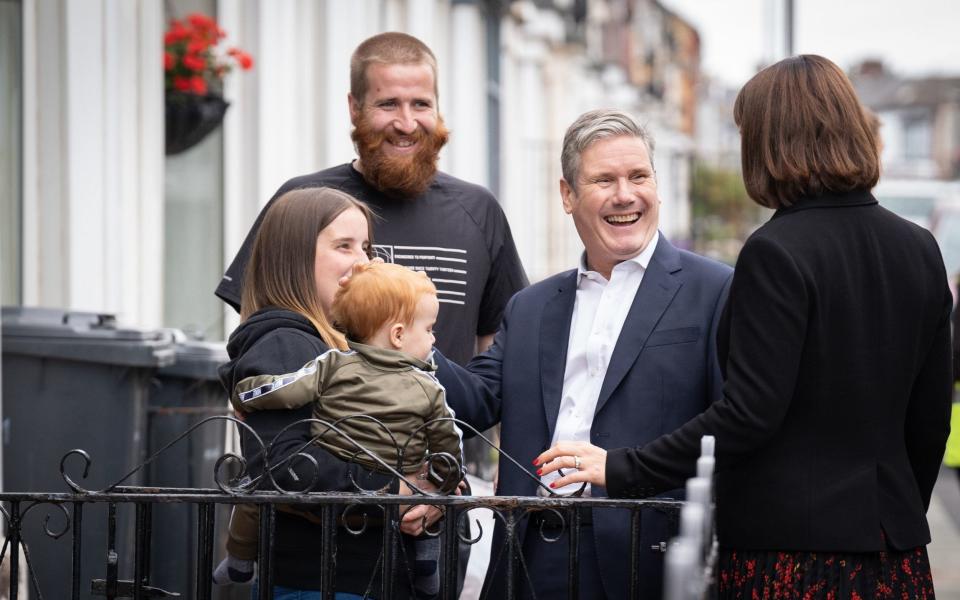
pixel 196 360
pixel 82 336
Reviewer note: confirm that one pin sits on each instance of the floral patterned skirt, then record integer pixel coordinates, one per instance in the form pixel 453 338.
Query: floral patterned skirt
pixel 771 575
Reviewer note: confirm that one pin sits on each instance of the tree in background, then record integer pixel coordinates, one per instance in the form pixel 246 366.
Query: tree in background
pixel 723 215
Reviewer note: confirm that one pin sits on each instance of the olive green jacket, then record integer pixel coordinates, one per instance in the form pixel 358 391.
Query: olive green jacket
pixel 355 389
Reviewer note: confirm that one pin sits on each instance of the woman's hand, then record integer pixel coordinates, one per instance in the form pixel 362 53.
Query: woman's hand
pixel 581 462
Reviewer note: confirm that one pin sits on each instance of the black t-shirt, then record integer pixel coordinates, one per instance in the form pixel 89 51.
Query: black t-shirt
pixel 455 231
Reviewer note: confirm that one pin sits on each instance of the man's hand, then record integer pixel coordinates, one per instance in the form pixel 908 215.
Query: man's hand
pixel 416 517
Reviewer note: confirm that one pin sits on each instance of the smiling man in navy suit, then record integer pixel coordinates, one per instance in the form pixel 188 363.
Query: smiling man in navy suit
pixel 615 352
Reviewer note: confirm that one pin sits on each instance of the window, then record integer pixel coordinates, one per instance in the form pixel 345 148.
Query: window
pixel 193 239
pixel 193 224
pixel 11 148
pixel 917 137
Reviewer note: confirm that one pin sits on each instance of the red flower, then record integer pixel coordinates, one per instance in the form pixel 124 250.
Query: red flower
pixel 191 59
pixel 197 46
pixel 194 62
pixel 244 60
pixel 201 21
pixel 173 36
pixel 176 33
pixel 198 85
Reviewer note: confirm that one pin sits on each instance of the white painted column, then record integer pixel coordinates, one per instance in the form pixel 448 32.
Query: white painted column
pixel 345 25
pixel 509 143
pixel 466 108
pixel 287 92
pixel 93 157
pixel 88 130
pixel 532 174
pixel 526 191
pixel 393 16
pixel 567 81
pixel 146 144
pixel 241 135
pixel 422 23
pixel 672 160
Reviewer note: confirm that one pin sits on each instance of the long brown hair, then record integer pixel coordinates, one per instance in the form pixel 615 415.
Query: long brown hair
pixel 803 132
pixel 281 268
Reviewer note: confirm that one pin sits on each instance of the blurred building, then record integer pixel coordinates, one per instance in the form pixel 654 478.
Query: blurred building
pixel 717 135
pixel 96 217
pixel 920 131
pixel 723 213
pixel 920 119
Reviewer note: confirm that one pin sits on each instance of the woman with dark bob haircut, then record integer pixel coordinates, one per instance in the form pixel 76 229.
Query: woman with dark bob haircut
pixel 835 350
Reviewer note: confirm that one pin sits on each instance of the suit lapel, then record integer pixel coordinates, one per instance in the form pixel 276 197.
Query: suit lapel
pixel 659 286
pixel 554 337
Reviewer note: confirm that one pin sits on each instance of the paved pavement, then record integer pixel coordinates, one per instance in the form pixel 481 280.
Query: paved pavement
pixel 944 550
pixel 479 552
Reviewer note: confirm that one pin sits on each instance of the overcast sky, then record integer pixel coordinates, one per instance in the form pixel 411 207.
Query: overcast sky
pixel 913 37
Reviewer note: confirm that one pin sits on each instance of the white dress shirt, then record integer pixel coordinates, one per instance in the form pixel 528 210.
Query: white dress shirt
pixel 599 312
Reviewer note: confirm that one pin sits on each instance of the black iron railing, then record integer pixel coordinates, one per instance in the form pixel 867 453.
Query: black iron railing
pixel 124 520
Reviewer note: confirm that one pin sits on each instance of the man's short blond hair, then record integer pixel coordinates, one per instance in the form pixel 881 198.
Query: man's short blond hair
pixel 391 48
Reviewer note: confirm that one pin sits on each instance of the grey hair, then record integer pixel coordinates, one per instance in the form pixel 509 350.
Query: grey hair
pixel 596 125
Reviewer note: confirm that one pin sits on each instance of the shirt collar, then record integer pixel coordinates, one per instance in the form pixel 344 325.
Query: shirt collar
pixel 641 260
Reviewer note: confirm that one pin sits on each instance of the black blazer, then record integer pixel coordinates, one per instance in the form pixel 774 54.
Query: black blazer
pixel 835 347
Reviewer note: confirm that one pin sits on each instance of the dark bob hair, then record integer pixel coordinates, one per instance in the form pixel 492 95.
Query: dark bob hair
pixel 803 132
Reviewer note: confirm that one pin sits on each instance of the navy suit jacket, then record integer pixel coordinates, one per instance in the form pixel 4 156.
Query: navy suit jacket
pixel 662 373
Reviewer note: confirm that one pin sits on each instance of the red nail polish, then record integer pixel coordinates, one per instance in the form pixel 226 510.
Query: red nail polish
pixel 553 485
pixel 536 462
pixel 539 471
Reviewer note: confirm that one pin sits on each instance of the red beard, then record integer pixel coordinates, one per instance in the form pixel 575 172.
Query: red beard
pixel 401 176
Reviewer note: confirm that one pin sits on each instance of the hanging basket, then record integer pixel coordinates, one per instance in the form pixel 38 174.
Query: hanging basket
pixel 190 118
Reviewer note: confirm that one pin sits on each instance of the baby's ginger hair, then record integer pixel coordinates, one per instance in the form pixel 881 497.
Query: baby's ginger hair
pixel 376 294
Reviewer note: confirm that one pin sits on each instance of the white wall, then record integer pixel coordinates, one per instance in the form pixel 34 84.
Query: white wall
pixel 93 157
pixel 465 108
pixel 93 137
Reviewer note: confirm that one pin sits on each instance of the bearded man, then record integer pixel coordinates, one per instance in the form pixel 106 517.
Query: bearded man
pixel 452 230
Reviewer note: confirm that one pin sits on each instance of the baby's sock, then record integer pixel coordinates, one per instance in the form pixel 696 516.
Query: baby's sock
pixel 234 570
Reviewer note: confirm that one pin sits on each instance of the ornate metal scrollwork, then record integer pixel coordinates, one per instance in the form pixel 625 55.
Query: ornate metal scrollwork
pixel 218 466
pixel 54 534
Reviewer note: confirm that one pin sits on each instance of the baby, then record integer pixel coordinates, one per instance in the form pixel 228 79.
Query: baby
pixel 387 312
